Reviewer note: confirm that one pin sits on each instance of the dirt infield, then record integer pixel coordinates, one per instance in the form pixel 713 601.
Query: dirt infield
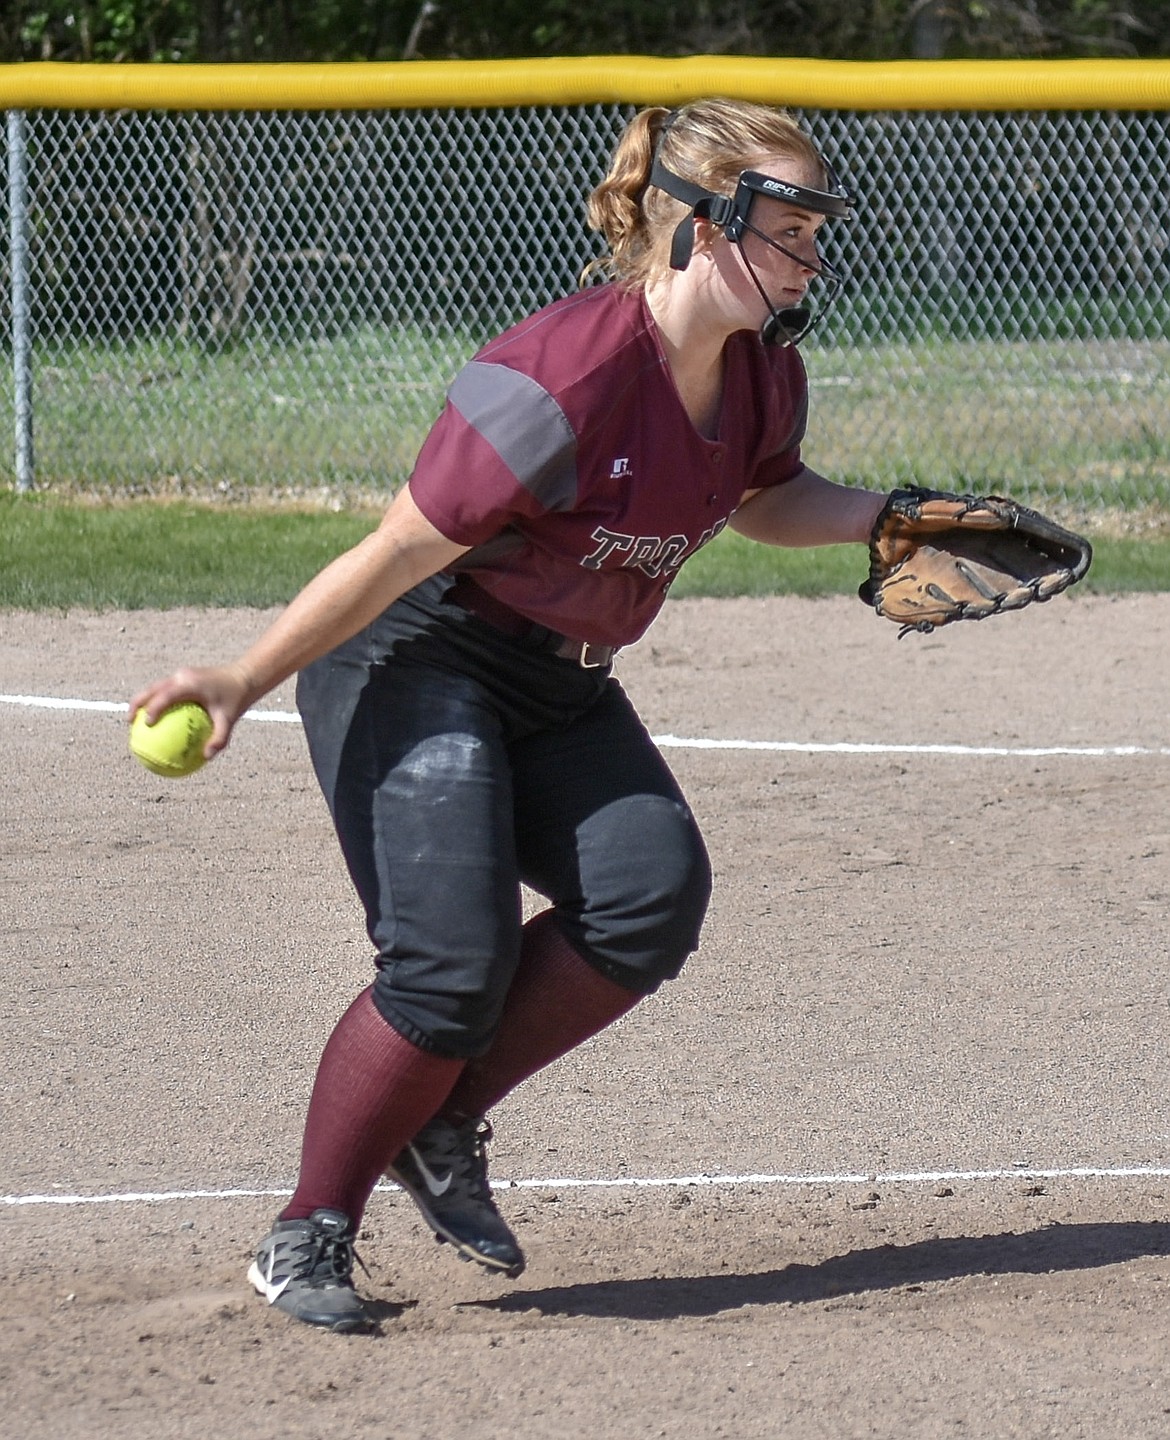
pixel 944 965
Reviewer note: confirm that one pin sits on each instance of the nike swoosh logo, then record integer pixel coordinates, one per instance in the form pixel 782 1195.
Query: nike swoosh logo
pixel 263 1283
pixel 436 1186
pixel 274 1292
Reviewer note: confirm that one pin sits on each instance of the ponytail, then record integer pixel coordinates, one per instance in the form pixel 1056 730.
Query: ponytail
pixel 616 206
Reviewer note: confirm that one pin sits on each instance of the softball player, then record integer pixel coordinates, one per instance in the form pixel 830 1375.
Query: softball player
pixel 456 674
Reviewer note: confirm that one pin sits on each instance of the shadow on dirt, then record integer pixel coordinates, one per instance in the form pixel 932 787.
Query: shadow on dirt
pixel 887 1267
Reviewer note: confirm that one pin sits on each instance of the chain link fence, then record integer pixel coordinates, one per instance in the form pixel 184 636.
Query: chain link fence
pixel 271 305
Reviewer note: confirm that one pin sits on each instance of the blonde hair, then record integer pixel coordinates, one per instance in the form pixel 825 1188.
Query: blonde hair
pixel 708 142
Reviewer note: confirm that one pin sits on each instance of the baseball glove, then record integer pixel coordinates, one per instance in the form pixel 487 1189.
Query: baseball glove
pixel 935 557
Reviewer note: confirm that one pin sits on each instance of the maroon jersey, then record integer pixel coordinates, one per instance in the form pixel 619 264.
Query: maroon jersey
pixel 565 459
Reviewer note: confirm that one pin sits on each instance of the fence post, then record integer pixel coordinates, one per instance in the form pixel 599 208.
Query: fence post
pixel 21 337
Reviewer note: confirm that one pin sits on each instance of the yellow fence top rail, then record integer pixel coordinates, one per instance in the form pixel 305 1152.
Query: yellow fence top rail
pixel 631 79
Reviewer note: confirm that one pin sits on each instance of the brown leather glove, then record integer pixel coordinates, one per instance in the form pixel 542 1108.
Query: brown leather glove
pixel 936 557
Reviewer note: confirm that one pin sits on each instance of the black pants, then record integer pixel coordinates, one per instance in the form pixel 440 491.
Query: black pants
pixel 458 762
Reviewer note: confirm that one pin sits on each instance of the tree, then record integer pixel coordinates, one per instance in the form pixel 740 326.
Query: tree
pixel 176 30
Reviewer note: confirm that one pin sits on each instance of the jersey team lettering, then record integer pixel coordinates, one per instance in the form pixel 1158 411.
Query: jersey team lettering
pixel 649 553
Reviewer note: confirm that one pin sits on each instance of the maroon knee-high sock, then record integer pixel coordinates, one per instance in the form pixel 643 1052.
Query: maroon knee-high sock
pixel 556 1002
pixel 373 1091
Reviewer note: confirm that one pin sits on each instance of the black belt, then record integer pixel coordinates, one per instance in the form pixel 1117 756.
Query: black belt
pixel 469 596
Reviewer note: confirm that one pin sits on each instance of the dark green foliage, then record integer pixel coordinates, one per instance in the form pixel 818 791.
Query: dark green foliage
pixel 168 30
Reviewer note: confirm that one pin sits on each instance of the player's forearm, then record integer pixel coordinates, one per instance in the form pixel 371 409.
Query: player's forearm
pixel 808 510
pixel 343 598
pixel 346 595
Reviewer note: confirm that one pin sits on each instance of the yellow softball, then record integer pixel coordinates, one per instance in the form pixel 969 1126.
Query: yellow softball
pixel 173 745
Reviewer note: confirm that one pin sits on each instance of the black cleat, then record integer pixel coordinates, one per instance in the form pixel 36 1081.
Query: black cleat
pixel 444 1171
pixel 303 1267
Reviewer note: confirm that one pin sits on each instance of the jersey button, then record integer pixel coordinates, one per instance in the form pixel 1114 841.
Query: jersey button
pixel 711 499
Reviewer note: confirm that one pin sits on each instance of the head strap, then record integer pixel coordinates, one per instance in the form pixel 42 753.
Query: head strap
pixel 703 205
pixel 837 202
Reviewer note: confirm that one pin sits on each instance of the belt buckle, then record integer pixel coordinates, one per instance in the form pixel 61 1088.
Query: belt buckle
pixel 605 653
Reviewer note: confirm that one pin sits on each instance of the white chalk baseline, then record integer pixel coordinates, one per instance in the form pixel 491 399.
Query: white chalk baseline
pixel 629 1182
pixel 680 742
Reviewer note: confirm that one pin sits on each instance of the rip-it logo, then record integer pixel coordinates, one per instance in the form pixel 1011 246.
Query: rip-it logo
pixel 778 187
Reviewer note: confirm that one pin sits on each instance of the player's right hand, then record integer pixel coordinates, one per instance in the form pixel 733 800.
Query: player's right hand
pixel 224 691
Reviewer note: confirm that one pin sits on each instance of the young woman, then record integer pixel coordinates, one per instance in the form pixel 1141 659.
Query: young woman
pixel 455 673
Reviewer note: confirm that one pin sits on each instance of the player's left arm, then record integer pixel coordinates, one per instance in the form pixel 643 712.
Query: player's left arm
pixel 807 510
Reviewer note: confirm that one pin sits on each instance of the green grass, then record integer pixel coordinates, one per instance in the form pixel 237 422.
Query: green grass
pixel 59 555
pixel 160 416
pixel 1074 425
pixel 56 554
